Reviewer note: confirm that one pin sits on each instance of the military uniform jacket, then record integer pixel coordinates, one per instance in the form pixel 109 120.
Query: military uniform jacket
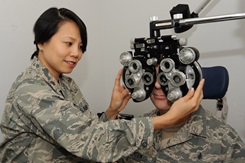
pixel 49 121
pixel 202 139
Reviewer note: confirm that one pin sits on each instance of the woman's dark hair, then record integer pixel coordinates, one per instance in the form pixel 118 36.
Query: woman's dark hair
pixel 50 21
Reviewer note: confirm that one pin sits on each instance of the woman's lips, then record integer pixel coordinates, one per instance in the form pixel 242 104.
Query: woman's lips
pixel 71 63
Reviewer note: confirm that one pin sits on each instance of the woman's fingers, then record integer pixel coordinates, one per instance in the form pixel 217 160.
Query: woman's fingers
pixel 118 78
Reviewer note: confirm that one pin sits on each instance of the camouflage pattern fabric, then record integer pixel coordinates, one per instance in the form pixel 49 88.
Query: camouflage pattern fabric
pixel 46 121
pixel 203 138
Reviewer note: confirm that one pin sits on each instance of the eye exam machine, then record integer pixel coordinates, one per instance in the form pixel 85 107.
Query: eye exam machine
pixel 179 69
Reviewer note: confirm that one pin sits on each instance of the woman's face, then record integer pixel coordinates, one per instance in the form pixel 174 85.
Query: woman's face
pixel 61 53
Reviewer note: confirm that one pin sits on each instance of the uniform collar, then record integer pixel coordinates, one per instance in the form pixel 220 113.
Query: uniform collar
pixel 45 74
pixel 194 127
pixel 197 123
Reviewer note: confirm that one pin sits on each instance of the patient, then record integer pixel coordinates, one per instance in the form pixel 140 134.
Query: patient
pixel 199 137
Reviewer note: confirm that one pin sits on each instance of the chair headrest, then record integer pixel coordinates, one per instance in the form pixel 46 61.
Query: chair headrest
pixel 216 82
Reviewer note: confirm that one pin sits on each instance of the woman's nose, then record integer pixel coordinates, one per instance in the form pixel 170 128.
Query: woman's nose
pixel 76 52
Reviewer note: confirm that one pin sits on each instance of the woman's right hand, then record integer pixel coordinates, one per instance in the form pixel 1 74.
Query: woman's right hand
pixel 119 99
pixel 181 108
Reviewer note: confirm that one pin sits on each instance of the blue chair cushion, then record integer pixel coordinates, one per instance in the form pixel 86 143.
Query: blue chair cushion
pixel 216 82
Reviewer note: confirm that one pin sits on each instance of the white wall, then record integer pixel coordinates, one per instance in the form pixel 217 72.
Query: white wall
pixel 111 24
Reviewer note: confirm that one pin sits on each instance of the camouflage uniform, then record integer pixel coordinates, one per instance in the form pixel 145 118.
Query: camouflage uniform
pixel 202 139
pixel 47 121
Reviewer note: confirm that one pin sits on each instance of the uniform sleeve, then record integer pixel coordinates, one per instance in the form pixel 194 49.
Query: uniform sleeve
pixel 237 148
pixel 76 130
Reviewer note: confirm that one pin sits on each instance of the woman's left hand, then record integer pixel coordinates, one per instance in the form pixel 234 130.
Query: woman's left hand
pixel 119 99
